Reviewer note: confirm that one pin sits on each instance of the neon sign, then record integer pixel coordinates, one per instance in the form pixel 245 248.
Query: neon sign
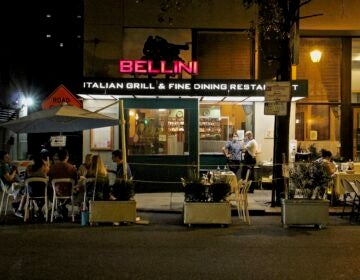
pixel 148 67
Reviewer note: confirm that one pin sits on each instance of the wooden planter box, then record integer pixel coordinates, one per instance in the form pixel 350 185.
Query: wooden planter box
pixel 207 213
pixel 304 212
pixel 112 211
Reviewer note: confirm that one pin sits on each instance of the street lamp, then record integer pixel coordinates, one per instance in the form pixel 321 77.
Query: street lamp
pixel 28 101
pixel 21 138
pixel 315 56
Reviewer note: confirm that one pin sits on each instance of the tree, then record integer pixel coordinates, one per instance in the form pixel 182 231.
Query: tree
pixel 279 22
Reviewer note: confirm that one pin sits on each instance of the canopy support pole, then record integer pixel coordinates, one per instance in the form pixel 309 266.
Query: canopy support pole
pixel 123 139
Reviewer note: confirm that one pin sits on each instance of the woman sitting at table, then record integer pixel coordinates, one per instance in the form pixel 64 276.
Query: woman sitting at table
pixel 8 173
pixel 98 171
pixel 84 167
pixel 39 168
pixel 328 163
pixel 329 166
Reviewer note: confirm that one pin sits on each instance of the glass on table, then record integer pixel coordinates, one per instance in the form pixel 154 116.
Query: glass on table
pixel 209 176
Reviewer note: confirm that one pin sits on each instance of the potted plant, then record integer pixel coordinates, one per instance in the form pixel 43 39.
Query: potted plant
pixel 205 202
pixel 305 203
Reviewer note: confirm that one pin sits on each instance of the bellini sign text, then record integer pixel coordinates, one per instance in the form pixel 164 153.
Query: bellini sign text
pixel 148 67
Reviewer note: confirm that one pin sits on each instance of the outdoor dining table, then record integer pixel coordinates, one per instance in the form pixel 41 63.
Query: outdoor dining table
pixel 338 188
pixel 231 178
pixel 338 176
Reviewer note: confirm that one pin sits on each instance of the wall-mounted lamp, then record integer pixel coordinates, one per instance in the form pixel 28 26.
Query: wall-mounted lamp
pixel 315 56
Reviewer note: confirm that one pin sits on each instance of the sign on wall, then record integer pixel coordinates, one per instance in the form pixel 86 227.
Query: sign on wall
pixel 275 108
pixel 277 91
pixel 277 94
pixel 190 87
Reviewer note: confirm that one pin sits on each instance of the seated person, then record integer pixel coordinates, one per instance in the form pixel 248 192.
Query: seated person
pixel 326 159
pixel 8 173
pixel 115 192
pixel 329 166
pixel 39 168
pixel 62 169
pixel 82 171
pixel 84 167
pixel 99 190
pixel 116 157
pixel 9 176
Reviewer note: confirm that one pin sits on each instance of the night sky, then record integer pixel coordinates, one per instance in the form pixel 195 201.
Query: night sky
pixel 41 47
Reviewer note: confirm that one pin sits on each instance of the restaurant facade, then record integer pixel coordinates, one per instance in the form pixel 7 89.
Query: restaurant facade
pixel 180 116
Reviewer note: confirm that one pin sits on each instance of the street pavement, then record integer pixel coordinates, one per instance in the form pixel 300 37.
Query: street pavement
pixel 167 249
pixel 164 248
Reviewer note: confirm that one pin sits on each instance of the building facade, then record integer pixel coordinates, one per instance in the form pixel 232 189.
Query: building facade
pixel 167 131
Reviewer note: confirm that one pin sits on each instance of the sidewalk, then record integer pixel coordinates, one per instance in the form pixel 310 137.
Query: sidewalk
pixel 259 203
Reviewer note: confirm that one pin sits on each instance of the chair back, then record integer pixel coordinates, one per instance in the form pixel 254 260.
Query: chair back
pixel 348 187
pixel 247 175
pixel 63 187
pixel 357 188
pixel 3 186
pixel 36 186
pixel 247 187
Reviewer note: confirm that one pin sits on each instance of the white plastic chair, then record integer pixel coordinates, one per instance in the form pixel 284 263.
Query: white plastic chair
pixel 30 198
pixel 244 204
pixel 8 191
pixel 240 197
pixel 57 196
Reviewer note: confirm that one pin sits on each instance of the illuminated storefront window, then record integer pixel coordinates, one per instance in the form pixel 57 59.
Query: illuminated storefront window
pixel 355 71
pixel 218 123
pixel 158 132
pixel 312 122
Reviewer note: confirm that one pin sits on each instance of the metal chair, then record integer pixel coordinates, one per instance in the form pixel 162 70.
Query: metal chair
pixel 31 184
pixel 57 195
pixel 90 183
pixel 7 192
pixel 349 195
pixel 355 211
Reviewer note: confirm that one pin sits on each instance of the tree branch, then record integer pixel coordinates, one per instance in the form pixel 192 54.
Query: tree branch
pixel 314 15
pixel 304 3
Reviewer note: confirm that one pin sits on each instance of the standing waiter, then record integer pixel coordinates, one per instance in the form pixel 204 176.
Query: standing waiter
pixel 249 156
pixel 232 151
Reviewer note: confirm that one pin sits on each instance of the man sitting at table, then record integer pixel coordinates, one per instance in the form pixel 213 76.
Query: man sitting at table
pixel 63 169
pixel 116 157
pixel 8 173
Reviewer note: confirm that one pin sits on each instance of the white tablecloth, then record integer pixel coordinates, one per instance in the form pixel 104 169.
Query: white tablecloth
pixel 338 187
pixel 230 177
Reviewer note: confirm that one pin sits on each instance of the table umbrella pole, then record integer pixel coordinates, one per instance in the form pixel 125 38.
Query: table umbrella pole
pixel 123 139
